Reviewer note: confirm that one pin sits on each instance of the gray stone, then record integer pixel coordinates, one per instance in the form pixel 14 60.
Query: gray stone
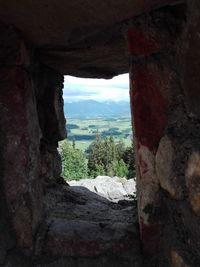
pixel 112 188
pixel 83 227
pixel 130 186
pixel 164 169
pixel 192 175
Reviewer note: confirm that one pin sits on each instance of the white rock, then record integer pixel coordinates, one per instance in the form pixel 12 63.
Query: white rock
pixel 130 186
pixel 112 188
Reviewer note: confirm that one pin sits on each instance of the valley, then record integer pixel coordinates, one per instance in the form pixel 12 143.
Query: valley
pixel 83 131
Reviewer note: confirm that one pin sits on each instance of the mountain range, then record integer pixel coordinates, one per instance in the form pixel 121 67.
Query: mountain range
pixel 95 109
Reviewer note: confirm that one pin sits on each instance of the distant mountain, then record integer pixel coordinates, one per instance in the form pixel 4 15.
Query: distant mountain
pixel 95 109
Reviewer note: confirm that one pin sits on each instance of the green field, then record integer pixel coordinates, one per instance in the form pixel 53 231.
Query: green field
pixel 84 131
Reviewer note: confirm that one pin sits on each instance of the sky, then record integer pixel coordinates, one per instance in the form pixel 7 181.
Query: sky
pixel 116 89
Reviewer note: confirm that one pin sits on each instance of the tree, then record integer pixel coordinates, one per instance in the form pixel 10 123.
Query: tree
pixel 129 158
pixel 105 157
pixel 120 168
pixel 96 154
pixel 98 170
pixel 74 162
pixel 120 149
pixel 109 154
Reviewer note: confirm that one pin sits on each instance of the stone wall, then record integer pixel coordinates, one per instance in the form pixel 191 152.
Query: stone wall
pixel 164 78
pixel 32 123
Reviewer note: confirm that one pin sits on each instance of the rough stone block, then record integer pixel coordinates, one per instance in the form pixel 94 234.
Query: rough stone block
pixel 49 93
pixel 142 42
pixel 12 48
pixel 177 260
pixel 50 165
pixel 164 169
pixel 19 146
pixel 148 105
pixel 192 177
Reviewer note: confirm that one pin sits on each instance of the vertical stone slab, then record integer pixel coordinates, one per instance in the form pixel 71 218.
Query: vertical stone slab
pixel 49 90
pixel 19 144
pixel 49 85
pixel 149 109
pixel 153 87
pixel 189 59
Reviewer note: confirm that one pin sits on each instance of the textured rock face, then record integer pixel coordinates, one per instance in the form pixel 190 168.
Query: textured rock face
pixel 28 151
pixel 163 47
pixel 19 145
pixel 192 181
pixel 82 224
pixel 164 169
pixel 111 188
pixel 166 135
pixel 151 78
pixel 35 221
pixel 81 38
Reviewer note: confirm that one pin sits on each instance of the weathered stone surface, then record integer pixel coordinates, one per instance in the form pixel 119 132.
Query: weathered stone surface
pixel 193 181
pixel 82 224
pixel 190 59
pixel 88 42
pixel 48 85
pixel 177 261
pixel 118 260
pixel 130 186
pixel 20 151
pixel 50 164
pixel 148 180
pixel 164 169
pixel 154 88
pixel 149 116
pixel 26 160
pixel 12 48
pixel 112 188
pixel 81 38
pixel 148 42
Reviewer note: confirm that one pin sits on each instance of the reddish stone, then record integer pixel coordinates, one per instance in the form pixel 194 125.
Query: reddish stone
pixel 143 167
pixel 22 57
pixel 19 147
pixel 12 48
pixel 149 109
pixel 150 235
pixel 148 105
pixel 85 248
pixel 141 42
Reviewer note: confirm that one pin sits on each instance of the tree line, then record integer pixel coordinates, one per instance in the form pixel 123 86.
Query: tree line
pixel 104 156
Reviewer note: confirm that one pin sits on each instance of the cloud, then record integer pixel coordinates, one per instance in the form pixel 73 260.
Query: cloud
pixel 115 89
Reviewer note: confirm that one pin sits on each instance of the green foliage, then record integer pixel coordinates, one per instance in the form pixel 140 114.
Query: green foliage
pixel 120 168
pixel 129 158
pixel 120 149
pixel 98 170
pixel 96 154
pixel 74 162
pixel 88 128
pixel 105 157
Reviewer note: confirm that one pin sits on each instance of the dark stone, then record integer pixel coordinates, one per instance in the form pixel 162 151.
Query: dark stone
pixel 48 85
pixel 46 223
